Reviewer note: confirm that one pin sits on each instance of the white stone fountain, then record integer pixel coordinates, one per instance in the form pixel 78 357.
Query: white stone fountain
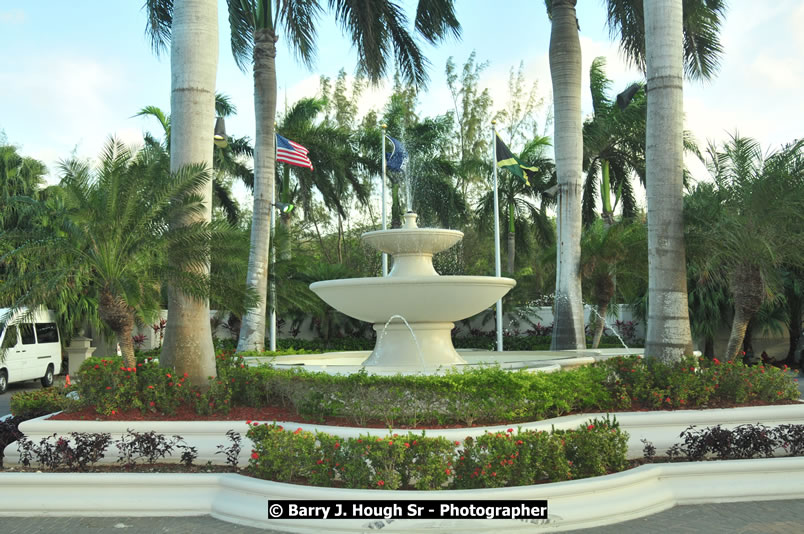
pixel 413 290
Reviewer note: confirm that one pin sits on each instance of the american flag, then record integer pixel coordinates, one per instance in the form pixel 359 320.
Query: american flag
pixel 293 153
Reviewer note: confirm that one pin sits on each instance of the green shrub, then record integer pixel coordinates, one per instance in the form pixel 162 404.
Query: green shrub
pixel 30 404
pixel 417 461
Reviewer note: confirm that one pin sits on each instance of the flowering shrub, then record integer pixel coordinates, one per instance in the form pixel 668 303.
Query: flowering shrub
pixel 694 383
pixel 110 387
pixel 417 461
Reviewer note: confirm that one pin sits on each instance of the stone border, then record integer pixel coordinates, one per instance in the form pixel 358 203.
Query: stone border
pixel 239 499
pixel 662 428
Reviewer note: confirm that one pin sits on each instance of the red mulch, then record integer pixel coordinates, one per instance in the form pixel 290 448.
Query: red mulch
pixel 278 413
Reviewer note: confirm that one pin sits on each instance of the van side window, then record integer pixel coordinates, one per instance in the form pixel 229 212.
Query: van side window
pixel 27 334
pixel 47 333
pixel 11 337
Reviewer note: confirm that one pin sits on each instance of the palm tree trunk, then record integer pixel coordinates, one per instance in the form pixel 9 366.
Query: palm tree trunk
pixel 252 332
pixel 795 306
pixel 668 335
pixel 600 323
pixel 565 71
pixel 194 64
pixel 120 318
pixel 511 239
pixel 748 290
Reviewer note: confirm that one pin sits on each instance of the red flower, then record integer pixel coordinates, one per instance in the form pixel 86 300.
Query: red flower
pixel 381 483
pixel 168 375
pixel 337 445
pixel 590 427
pixel 717 362
pixel 152 403
pixel 248 422
pixel 510 430
pixel 519 442
pixel 446 471
pixel 457 443
pixel 150 387
pixel 297 430
pixel 108 387
pixel 407 445
pixel 97 367
pixel 390 443
pixel 254 456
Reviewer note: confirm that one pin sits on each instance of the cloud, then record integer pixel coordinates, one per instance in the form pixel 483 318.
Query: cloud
pixel 12 16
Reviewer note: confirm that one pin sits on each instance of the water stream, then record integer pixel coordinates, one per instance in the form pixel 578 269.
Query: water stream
pixel 413 335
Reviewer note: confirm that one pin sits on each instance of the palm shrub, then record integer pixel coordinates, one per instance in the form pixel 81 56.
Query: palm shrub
pixel 113 243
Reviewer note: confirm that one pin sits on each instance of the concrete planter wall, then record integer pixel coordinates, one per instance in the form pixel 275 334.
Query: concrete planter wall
pixel 575 504
pixel 661 428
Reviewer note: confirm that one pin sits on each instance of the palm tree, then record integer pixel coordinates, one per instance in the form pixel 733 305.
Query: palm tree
pixel 520 215
pixel 565 72
pixel 612 260
pixel 614 149
pixel 111 241
pixel 192 28
pixel 667 38
pixel 339 166
pixel 757 227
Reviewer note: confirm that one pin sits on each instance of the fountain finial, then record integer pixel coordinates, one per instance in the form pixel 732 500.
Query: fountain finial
pixel 410 220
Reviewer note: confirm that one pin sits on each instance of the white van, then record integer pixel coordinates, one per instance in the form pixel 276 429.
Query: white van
pixel 30 347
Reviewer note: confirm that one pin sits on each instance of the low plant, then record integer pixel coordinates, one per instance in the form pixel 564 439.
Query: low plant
pixel 232 452
pixel 75 453
pixel 30 404
pixel 741 442
pixel 148 446
pixel 417 461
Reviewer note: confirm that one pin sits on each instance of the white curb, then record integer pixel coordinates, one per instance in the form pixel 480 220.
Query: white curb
pixel 574 504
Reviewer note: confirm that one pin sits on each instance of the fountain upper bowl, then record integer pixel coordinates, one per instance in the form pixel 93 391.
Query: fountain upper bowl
pixel 412 240
pixel 416 298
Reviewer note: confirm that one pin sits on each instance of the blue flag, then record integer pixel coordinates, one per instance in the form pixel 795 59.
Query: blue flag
pixel 396 158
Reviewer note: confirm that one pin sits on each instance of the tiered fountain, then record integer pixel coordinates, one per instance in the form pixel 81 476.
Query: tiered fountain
pixel 420 304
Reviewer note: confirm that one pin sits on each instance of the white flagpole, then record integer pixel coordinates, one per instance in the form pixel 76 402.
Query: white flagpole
pixel 384 224
pixel 272 252
pixel 497 266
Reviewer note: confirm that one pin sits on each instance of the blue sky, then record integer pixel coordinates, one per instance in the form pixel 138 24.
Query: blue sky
pixel 73 73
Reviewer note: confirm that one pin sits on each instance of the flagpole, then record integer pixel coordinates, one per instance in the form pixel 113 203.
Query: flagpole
pixel 384 225
pixel 497 266
pixel 272 252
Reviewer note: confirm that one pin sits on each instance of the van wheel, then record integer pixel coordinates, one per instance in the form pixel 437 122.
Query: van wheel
pixel 3 381
pixel 47 380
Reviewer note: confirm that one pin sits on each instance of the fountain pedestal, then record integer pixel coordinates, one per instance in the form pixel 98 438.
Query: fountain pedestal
pixel 413 291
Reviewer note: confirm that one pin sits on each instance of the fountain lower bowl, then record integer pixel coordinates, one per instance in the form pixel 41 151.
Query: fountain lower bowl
pixel 419 299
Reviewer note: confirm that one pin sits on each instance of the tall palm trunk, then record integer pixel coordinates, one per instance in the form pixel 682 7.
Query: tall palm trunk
pixel 668 335
pixel 565 71
pixel 252 333
pixel 511 238
pixel 120 317
pixel 194 65
pixel 604 292
pixel 748 292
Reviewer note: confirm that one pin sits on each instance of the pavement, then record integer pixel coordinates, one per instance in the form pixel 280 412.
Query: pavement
pixel 755 517
pixel 765 517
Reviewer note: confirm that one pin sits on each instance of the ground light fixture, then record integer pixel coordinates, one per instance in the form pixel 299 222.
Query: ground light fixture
pixel 220 133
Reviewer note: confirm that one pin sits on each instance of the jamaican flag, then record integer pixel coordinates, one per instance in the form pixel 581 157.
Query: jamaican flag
pixel 506 160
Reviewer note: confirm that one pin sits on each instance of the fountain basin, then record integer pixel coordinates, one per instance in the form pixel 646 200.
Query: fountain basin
pixel 436 299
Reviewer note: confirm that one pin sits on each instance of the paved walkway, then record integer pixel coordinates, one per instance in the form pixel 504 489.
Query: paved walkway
pixel 766 517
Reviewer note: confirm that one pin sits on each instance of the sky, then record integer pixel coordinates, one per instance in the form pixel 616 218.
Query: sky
pixel 74 73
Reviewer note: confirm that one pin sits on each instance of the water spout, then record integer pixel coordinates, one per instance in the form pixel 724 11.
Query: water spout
pixel 413 335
